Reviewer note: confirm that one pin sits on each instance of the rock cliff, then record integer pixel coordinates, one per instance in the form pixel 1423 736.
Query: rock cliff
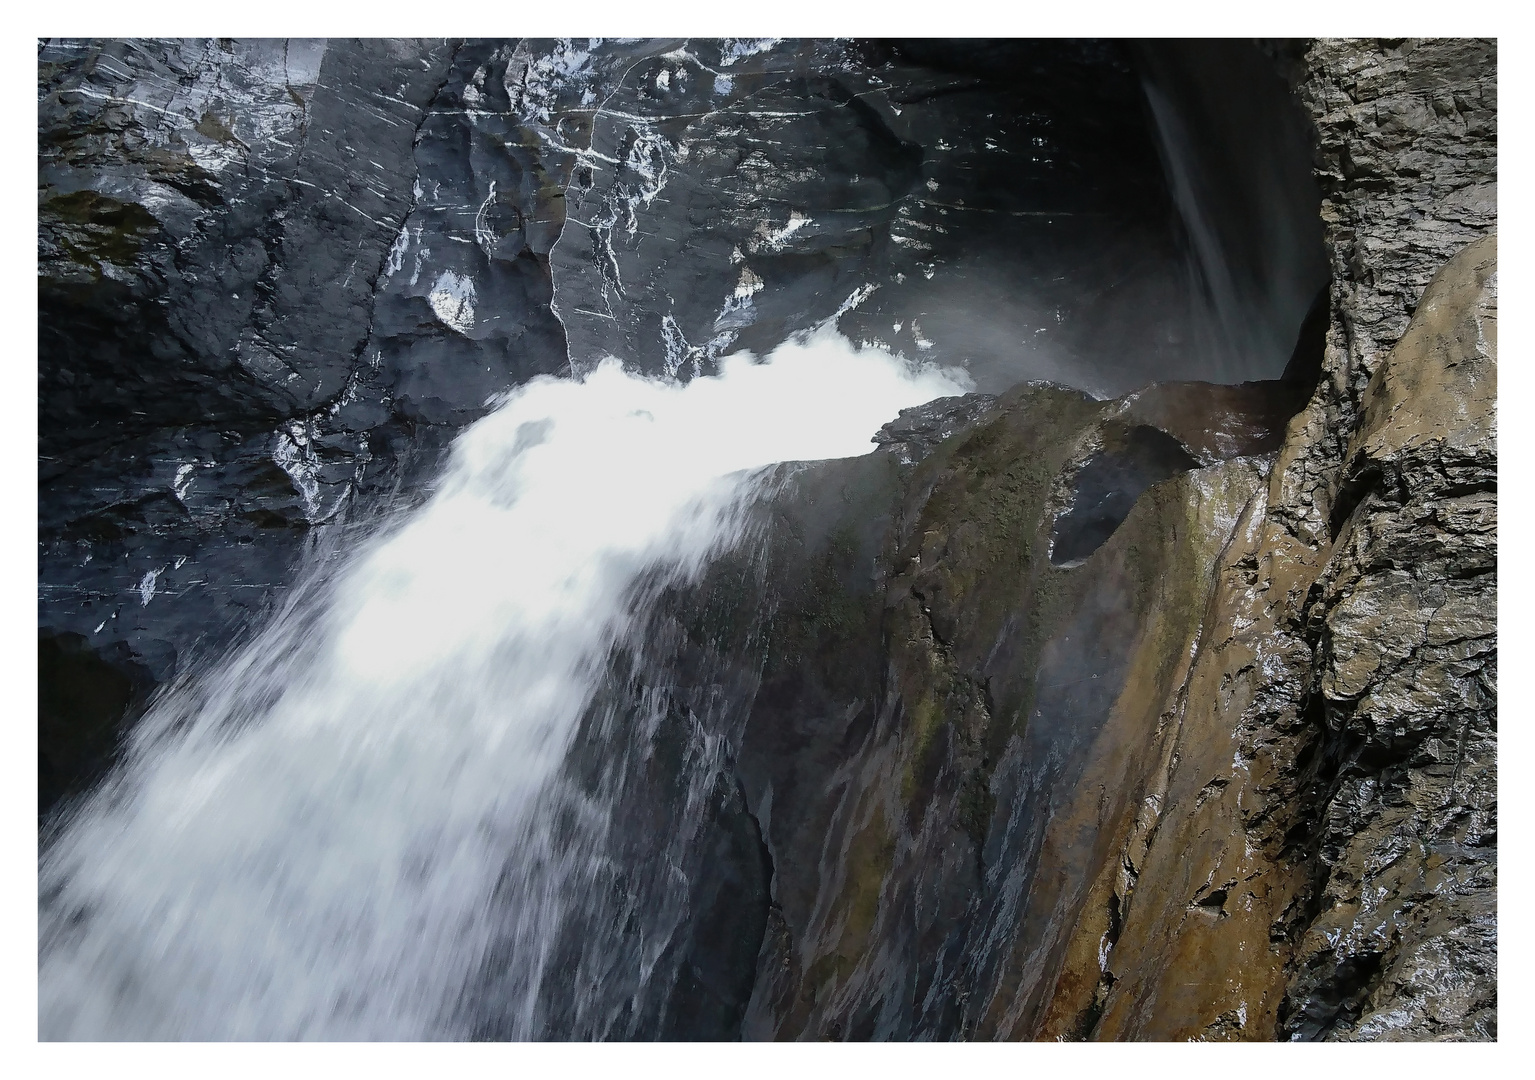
pixel 1232 775
pixel 1153 701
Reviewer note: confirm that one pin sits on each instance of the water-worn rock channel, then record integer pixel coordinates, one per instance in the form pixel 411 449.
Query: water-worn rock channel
pixel 1139 684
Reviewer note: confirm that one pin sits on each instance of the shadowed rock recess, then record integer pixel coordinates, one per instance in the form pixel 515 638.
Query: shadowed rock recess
pixel 1149 692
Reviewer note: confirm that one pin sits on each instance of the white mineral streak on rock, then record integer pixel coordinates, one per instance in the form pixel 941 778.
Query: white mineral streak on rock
pixel 146 588
pixel 674 346
pixel 422 254
pixel 856 297
pixel 776 238
pixel 294 454
pixel 647 162
pixel 736 49
pixel 737 312
pixel 483 235
pixel 183 482
pixel 534 83
pixel 213 157
pixel 397 252
pixel 749 284
pixel 472 96
pixel 452 298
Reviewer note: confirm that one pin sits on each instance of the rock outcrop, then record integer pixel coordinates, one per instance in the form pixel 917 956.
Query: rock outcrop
pixel 213 219
pixel 1232 776
pixel 1168 713
pixel 277 277
pixel 1404 624
pixel 1201 780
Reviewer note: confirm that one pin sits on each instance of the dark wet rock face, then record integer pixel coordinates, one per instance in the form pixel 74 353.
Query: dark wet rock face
pixel 937 695
pixel 1402 619
pixel 276 277
pixel 999 205
pixel 83 698
pixel 251 325
pixel 1010 797
pixel 213 219
pixel 916 432
pixel 461 311
pixel 1405 631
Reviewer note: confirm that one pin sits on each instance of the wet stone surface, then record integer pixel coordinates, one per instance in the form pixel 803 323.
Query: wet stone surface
pixel 999 731
pixel 277 277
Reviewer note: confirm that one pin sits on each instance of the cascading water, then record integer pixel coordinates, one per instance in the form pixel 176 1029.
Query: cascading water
pixel 315 841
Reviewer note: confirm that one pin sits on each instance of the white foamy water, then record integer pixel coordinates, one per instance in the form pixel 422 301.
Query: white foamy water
pixel 309 848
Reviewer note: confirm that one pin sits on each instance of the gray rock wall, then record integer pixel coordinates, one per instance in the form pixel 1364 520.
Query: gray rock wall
pixel 234 349
pixel 213 218
pixel 1403 618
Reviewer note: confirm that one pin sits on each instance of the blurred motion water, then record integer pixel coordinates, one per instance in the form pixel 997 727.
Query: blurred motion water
pixel 306 842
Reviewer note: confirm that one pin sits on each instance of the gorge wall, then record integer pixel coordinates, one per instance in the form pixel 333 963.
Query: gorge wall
pixel 1233 775
pixel 1147 693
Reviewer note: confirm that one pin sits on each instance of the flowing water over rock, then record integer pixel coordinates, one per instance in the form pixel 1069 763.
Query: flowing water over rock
pixel 309 842
pixel 430 646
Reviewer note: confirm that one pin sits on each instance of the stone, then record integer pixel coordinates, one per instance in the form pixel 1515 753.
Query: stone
pixel 1122 705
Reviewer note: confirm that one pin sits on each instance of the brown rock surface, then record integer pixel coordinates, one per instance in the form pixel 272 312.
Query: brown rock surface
pixel 943 757
pixel 1405 628
pixel 1232 773
pixel 1330 758
pixel 1321 855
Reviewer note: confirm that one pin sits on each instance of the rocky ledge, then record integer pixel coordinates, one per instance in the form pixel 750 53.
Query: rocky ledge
pixel 1036 755
pixel 1165 714
pixel 1166 717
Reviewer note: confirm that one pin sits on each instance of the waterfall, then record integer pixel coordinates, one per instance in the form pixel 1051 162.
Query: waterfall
pixel 306 841
pixel 1221 324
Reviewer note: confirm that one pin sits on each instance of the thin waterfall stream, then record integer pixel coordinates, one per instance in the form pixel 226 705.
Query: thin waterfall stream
pixel 309 845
